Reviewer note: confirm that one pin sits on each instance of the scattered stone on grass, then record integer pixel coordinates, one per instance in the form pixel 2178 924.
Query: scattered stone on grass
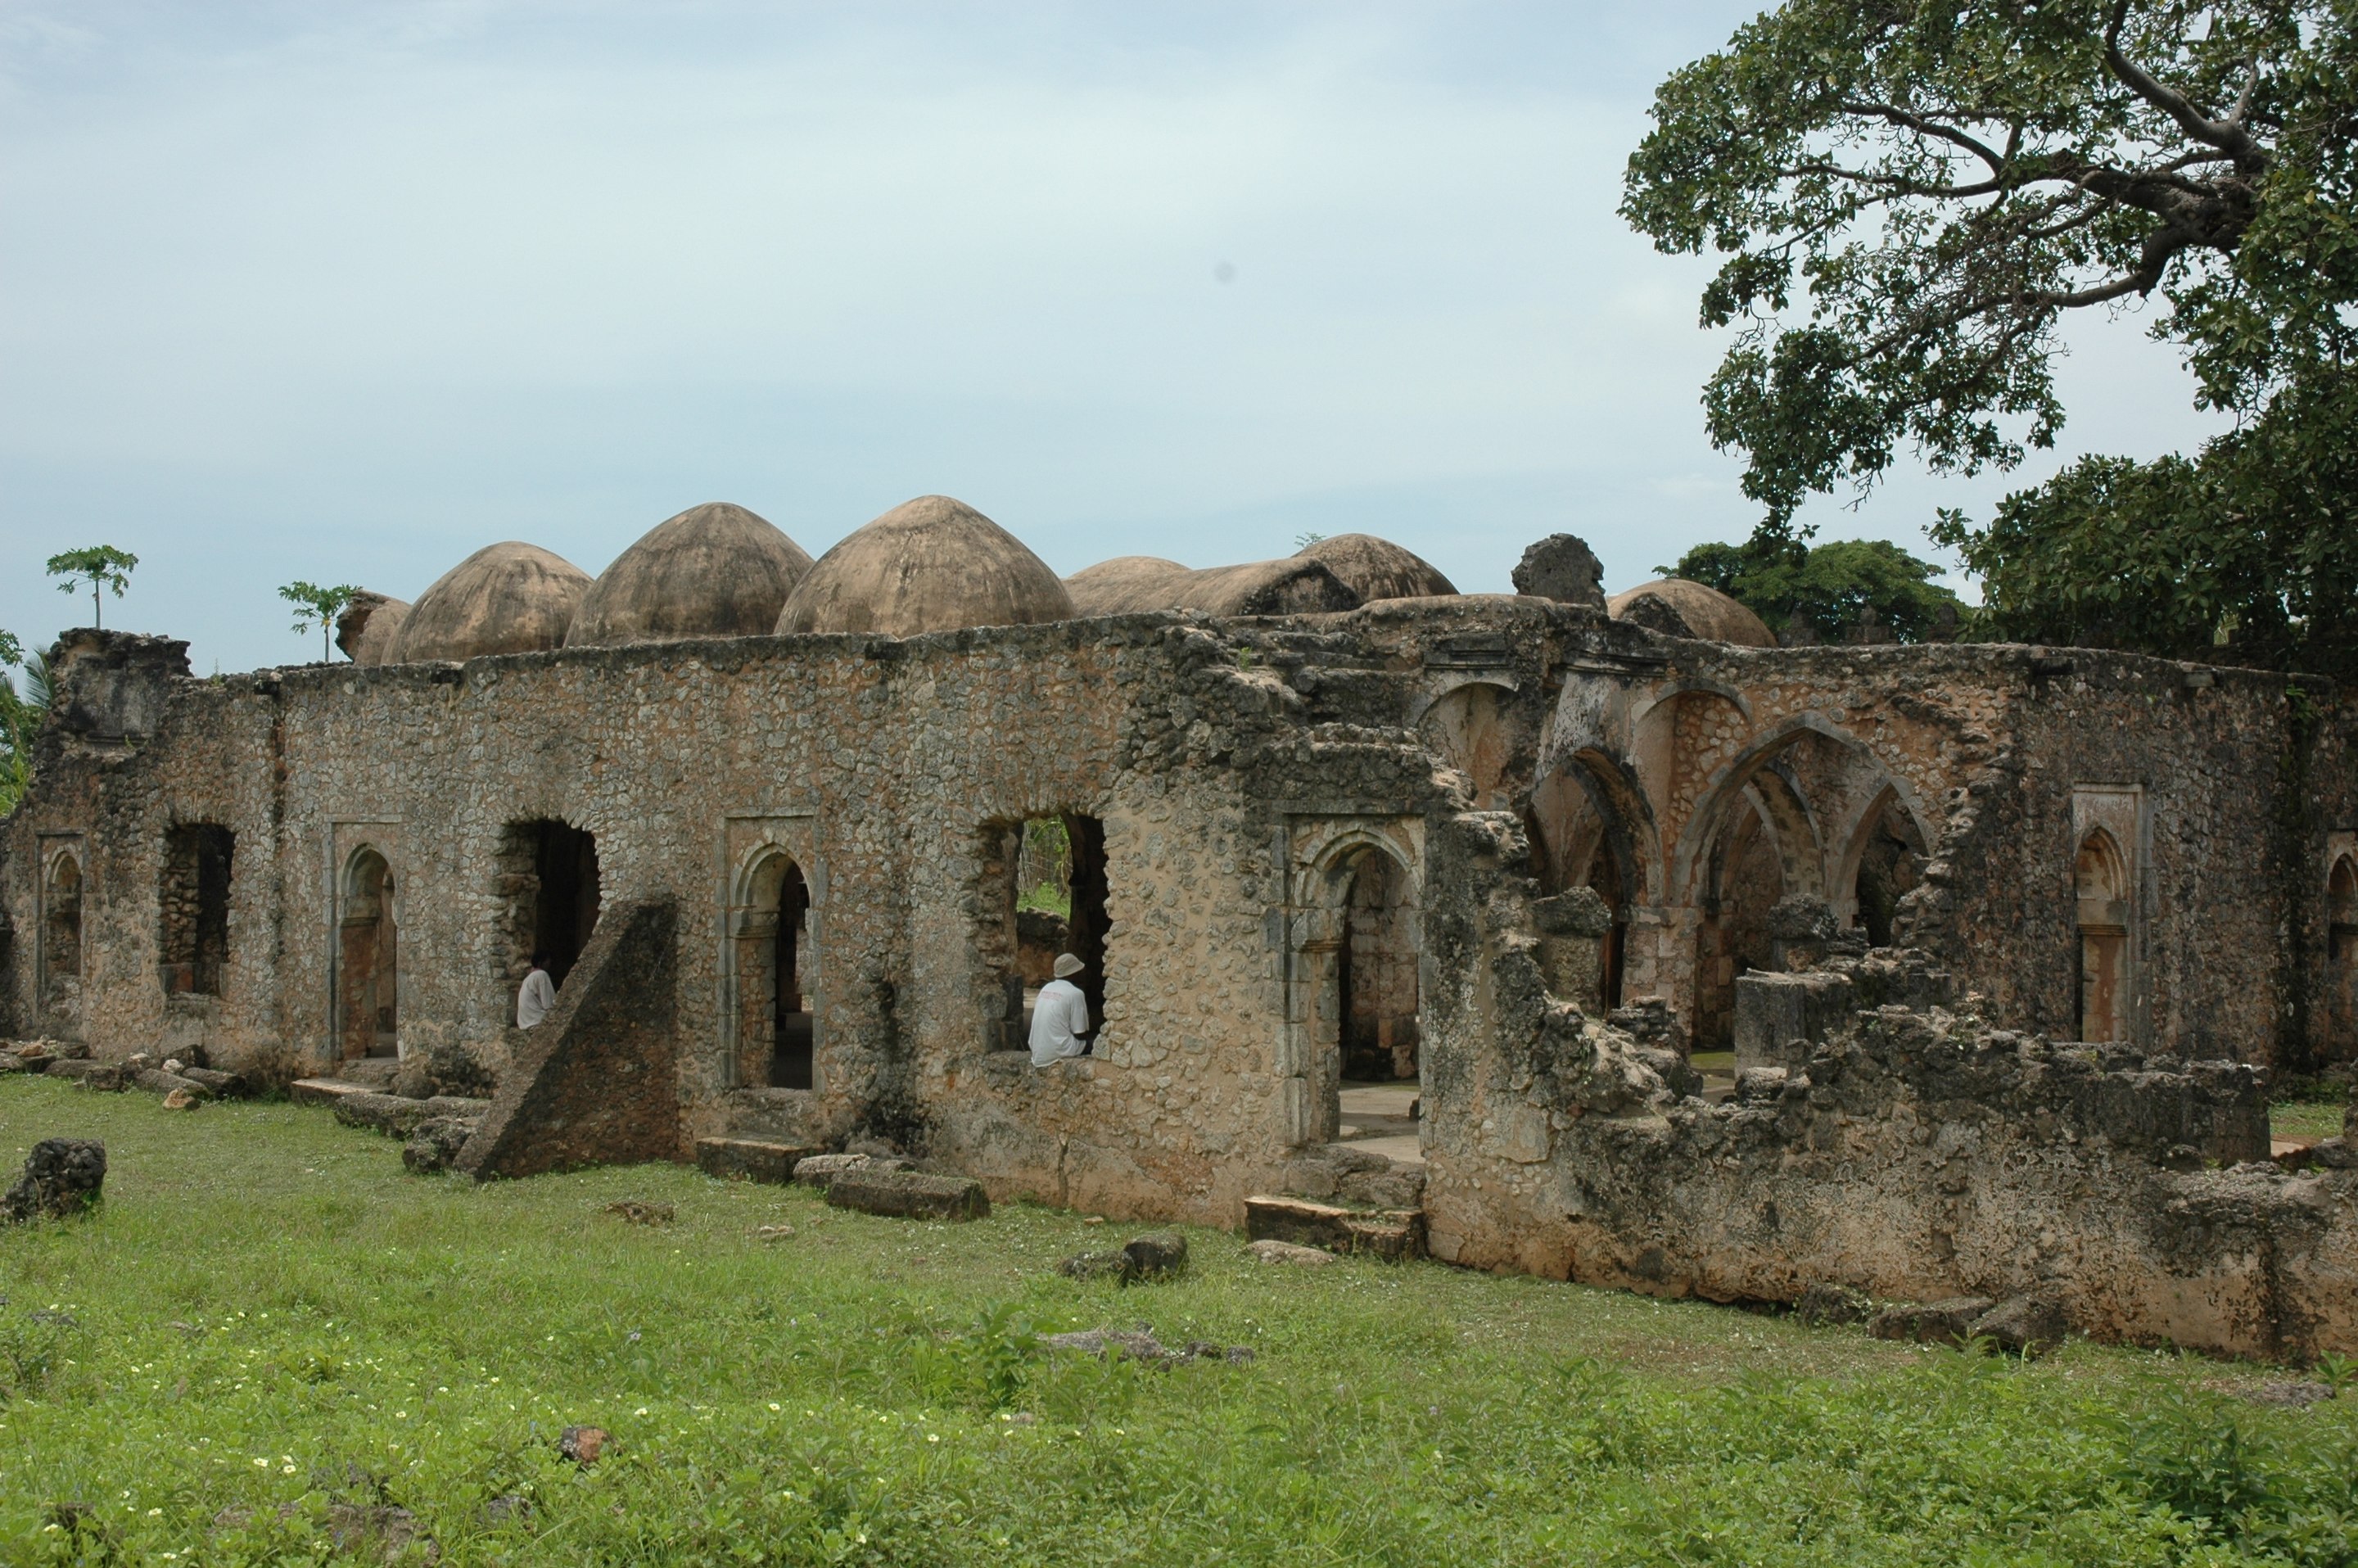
pixel 1826 1302
pixel 1929 1323
pixel 436 1143
pixel 182 1099
pixel 1087 1266
pixel 1287 1252
pixel 2288 1394
pixel 1158 1255
pixel 62 1177
pixel 383 1530
pixel 157 1081
pixel 909 1194
pixel 1115 1344
pixel 631 1211
pixel 582 1444
pixel 105 1077
pixel 778 1232
pixel 2023 1326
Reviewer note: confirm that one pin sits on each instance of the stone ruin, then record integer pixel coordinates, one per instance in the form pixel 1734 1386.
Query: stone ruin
pixel 1604 940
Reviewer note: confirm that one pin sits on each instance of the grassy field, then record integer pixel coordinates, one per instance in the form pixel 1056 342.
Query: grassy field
pixel 270 1323
pixel 2305 1119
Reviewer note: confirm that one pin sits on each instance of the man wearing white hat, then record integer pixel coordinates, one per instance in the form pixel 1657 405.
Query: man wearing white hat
pixel 1060 1020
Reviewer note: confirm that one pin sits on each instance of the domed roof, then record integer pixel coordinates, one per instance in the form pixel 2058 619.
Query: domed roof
pixel 504 599
pixel 1128 585
pixel 928 565
pixel 1377 569
pixel 367 628
pixel 1679 608
pixel 715 570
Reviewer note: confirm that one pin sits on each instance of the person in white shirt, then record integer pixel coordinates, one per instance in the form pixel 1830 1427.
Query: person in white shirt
pixel 538 995
pixel 1060 1019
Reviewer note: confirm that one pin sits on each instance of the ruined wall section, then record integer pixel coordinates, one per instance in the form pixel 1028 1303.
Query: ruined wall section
pixel 1919 1155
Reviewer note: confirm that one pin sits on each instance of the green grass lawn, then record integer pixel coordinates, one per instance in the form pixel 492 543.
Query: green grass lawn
pixel 2305 1119
pixel 269 1317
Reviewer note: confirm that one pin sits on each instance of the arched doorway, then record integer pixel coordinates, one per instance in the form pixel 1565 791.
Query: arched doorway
pixel 1891 864
pixel 777 1028
pixel 2342 961
pixel 1354 997
pixel 1582 836
pixel 61 929
pixel 2100 879
pixel 1375 973
pixel 368 955
pixel 1744 881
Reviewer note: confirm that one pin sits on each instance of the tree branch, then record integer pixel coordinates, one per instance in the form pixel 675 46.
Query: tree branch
pixel 1900 116
pixel 2228 135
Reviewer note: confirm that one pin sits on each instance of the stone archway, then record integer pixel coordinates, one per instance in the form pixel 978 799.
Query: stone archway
pixel 2341 961
pixel 61 897
pixel 777 1024
pixel 368 972
pixel 1354 955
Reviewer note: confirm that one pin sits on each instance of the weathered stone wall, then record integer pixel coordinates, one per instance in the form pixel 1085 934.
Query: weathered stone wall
pixel 1914 1153
pixel 1242 772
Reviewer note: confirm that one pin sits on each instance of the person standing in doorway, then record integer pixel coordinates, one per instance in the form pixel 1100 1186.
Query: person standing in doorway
pixel 1060 1020
pixel 538 995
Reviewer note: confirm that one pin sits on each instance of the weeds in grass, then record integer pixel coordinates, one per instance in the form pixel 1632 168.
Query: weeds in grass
pixel 271 1322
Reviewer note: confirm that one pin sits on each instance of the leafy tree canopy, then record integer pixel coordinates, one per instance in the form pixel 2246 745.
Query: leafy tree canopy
pixel 2247 554
pixel 100 565
pixel 1908 196
pixel 317 606
pixel 1828 586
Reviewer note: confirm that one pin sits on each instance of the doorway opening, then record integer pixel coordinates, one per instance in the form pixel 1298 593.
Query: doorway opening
pixel 195 899
pixel 776 1026
pixel 369 965
pixel 1747 877
pixel 1890 864
pixel 2342 961
pixel 61 927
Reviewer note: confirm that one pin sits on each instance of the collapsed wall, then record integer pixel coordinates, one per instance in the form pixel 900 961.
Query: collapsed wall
pixel 1909 1151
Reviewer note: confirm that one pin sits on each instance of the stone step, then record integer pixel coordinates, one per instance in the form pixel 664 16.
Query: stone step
pixel 323 1091
pixel 751 1159
pixel 909 1194
pixel 1392 1234
pixel 89 1074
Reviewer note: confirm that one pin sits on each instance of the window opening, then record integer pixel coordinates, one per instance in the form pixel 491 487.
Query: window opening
pixel 1049 877
pixel 195 938
pixel 2101 880
pixel 549 875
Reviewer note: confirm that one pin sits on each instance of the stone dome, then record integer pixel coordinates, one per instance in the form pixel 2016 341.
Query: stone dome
pixel 929 565
pixel 369 627
pixel 510 597
pixel 1682 608
pixel 1377 569
pixel 1128 585
pixel 715 570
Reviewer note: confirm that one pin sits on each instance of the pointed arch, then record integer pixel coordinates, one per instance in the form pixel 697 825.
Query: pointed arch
pixel 368 962
pixel 774 1022
pixel 2100 879
pixel 1882 860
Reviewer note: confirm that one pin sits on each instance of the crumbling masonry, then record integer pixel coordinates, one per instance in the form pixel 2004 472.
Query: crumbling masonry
pixel 2004 939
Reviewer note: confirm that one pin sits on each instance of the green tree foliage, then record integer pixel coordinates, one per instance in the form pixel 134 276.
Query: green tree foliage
pixel 1909 196
pixel 100 565
pixel 20 717
pixel 318 606
pixel 1827 587
pixel 2247 553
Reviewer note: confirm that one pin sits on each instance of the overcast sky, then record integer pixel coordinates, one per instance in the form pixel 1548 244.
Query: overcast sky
pixel 342 292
